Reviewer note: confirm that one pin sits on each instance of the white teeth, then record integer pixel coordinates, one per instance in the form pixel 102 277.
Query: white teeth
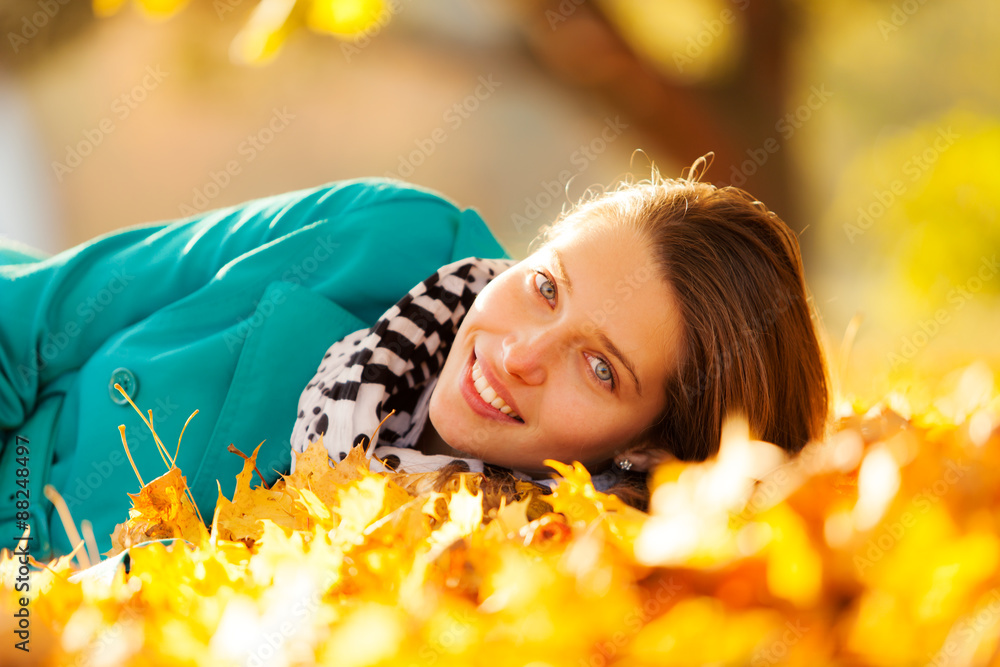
pixel 487 392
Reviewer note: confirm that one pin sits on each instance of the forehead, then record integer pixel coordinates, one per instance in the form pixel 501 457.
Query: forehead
pixel 611 244
pixel 617 287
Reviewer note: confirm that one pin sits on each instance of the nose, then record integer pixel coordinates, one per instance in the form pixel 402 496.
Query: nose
pixel 527 354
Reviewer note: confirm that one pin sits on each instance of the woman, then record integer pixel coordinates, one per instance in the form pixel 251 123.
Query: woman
pixel 677 317
pixel 647 315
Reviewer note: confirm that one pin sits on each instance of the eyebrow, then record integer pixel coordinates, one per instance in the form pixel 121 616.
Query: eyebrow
pixel 612 348
pixel 557 260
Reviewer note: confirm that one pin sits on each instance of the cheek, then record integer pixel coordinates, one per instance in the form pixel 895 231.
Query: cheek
pixel 569 401
pixel 580 412
pixel 498 310
pixel 494 296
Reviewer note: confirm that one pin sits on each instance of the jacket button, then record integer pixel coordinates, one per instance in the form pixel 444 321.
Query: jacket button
pixel 128 382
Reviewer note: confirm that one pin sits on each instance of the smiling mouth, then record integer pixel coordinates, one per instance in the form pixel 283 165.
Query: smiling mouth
pixel 482 398
pixel 487 393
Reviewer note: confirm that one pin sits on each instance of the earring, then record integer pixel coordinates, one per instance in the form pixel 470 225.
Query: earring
pixel 625 464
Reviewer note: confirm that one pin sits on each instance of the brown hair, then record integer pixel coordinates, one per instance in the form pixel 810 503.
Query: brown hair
pixel 750 345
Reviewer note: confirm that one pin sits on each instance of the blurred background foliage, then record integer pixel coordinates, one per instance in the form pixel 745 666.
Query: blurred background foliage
pixel 871 126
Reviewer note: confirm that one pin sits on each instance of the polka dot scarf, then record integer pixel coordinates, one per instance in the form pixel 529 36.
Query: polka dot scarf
pixel 394 365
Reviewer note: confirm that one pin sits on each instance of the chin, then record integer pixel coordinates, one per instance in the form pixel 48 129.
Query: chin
pixel 443 422
pixel 463 441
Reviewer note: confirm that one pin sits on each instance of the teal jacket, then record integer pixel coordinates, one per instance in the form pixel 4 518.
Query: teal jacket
pixel 228 313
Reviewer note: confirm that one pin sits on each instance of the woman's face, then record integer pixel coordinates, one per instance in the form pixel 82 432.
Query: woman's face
pixel 575 343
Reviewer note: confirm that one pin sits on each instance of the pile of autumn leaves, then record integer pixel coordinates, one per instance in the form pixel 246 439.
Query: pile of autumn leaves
pixel 878 546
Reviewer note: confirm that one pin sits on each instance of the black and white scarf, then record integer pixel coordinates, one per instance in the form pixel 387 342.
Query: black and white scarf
pixel 394 365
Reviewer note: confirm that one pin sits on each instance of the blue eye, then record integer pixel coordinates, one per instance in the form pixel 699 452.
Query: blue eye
pixel 602 370
pixel 545 286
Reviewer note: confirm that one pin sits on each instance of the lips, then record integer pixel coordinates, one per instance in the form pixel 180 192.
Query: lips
pixel 477 402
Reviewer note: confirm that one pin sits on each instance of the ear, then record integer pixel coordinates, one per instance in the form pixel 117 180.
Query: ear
pixel 643 458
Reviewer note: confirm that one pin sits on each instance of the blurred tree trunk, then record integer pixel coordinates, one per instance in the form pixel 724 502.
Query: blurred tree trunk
pixel 735 116
pixel 32 30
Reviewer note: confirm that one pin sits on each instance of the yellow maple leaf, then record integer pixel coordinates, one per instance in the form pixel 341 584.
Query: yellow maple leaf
pixel 314 472
pixel 239 519
pixel 160 510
